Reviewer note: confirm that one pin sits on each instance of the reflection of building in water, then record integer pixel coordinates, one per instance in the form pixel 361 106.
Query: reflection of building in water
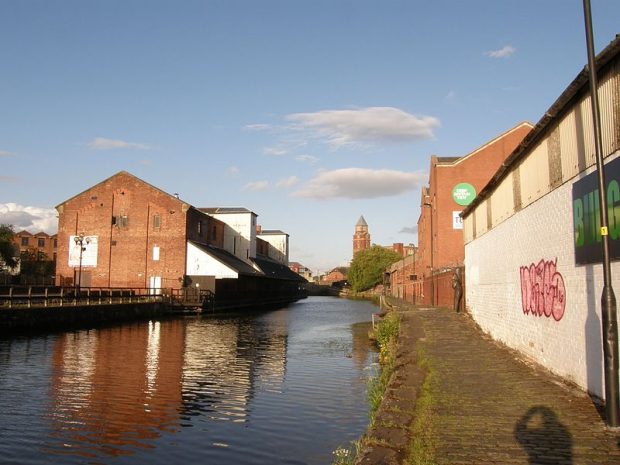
pixel 361 343
pixel 116 388
pixel 220 379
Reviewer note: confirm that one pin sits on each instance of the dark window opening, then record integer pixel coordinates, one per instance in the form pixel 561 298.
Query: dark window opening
pixel 41 242
pixel 214 233
pixel 24 241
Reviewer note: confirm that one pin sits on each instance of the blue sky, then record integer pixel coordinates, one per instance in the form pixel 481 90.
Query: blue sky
pixel 310 113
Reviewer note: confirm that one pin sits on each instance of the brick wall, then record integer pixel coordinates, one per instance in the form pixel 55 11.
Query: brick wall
pixel 125 255
pixel 569 345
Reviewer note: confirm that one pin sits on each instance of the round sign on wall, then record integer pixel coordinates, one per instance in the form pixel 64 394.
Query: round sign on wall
pixel 463 193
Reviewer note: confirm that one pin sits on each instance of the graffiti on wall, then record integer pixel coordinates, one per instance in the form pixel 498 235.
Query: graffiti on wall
pixel 542 290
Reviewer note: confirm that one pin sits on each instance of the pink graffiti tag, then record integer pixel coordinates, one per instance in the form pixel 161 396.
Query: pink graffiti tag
pixel 542 290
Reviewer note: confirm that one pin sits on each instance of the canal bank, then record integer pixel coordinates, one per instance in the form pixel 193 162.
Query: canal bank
pixel 458 397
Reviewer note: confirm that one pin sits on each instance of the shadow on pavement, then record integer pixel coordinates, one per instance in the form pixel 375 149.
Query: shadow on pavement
pixel 544 438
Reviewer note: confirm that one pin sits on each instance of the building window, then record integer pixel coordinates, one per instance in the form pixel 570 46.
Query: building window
pixel 24 241
pixel 123 221
pixel 55 243
pixel 41 242
pixel 213 233
pixel 155 253
pixel 156 221
pixel 199 228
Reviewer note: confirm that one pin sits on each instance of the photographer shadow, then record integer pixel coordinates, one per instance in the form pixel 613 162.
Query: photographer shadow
pixel 544 438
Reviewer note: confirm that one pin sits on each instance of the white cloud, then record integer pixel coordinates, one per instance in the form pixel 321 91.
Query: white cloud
pixel 258 127
pixel 373 124
pixel 503 52
pixel 360 183
pixel 307 159
pixel 34 219
pixel 288 182
pixel 101 143
pixel 276 151
pixel 232 171
pixel 6 153
pixel 256 186
pixel 409 230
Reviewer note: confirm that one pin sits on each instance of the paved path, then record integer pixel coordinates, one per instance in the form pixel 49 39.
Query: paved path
pixel 486 405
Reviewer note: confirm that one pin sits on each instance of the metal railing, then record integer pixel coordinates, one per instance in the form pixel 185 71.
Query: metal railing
pixel 38 296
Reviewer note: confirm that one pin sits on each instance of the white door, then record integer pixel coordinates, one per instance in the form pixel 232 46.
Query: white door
pixel 155 285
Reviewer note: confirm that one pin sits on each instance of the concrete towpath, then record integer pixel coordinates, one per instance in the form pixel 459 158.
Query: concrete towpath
pixel 477 402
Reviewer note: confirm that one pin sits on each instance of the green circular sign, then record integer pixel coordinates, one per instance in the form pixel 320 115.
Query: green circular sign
pixel 463 193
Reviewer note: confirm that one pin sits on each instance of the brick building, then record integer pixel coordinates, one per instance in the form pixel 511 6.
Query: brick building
pixel 136 236
pixel 38 243
pixel 453 183
pixel 361 238
pixel 301 270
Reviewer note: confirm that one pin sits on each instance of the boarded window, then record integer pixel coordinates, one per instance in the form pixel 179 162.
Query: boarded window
pixel 156 221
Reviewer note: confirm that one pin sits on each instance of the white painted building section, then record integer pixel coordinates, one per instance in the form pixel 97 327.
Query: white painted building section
pixel 278 245
pixel 200 263
pixel 240 235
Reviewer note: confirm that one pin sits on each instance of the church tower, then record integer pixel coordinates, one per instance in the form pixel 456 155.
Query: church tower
pixel 361 238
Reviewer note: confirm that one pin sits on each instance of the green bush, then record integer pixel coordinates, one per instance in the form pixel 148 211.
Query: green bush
pixel 368 266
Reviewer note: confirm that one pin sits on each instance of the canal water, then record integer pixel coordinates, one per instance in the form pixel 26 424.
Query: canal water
pixel 281 387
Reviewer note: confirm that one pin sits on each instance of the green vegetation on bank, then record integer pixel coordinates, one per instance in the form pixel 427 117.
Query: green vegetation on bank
pixel 367 268
pixel 8 251
pixel 386 337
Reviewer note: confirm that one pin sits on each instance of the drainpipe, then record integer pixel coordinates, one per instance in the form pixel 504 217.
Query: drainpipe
pixel 608 299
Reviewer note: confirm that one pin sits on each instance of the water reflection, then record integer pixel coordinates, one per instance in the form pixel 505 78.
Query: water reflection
pixel 218 389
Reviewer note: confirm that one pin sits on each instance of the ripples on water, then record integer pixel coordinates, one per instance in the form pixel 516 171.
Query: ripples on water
pixel 283 387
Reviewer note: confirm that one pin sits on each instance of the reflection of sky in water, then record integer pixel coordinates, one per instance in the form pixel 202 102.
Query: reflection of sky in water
pixel 281 387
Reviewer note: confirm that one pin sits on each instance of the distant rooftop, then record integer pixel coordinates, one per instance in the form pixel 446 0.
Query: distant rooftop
pixel 265 232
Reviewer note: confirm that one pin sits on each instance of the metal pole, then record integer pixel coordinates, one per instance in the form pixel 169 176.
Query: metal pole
pixel 608 299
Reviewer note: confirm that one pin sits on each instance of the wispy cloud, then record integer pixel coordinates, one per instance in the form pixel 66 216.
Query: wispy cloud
pixel 256 186
pixel 287 182
pixel 232 171
pixel 8 179
pixel 374 124
pixel 6 153
pixel 258 127
pixel 409 230
pixel 450 97
pixel 504 52
pixel 360 183
pixel 311 160
pixel 34 219
pixel 275 151
pixel 101 143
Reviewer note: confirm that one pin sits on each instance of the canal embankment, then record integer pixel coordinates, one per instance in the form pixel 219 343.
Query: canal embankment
pixel 457 396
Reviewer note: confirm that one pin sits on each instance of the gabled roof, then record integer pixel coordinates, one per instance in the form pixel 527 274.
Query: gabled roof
pixel 273 269
pixel 227 259
pixel 361 222
pixel 122 173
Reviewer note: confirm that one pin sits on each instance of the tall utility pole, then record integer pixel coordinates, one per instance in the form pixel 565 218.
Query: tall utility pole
pixel 608 299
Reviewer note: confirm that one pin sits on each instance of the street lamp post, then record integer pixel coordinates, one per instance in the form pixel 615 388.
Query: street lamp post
pixel 608 299
pixel 430 206
pixel 80 241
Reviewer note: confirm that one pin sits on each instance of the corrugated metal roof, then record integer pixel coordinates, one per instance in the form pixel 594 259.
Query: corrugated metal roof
pixel 276 270
pixel 225 210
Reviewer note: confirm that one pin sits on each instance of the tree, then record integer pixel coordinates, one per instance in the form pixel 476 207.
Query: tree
pixel 368 266
pixel 8 250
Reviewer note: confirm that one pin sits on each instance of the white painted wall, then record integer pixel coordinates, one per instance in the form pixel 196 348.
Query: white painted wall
pixel 278 246
pixel 240 235
pixel 200 263
pixel 571 346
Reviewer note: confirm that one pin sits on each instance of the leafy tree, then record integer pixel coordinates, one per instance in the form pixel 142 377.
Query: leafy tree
pixel 8 250
pixel 368 266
